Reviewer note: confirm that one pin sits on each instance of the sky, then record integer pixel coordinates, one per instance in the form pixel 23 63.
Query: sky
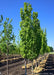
pixel 45 9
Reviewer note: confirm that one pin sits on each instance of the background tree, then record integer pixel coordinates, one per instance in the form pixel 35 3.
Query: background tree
pixel 7 36
pixel 37 34
pixel 51 49
pixel 1 19
pixel 48 49
pixel 44 42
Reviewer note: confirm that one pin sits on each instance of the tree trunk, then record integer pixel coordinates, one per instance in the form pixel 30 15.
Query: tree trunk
pixel 0 54
pixel 7 60
pixel 7 65
pixel 38 62
pixel 32 67
pixel 25 68
pixel 28 61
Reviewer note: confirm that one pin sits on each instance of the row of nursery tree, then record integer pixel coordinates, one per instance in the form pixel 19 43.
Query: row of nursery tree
pixel 33 39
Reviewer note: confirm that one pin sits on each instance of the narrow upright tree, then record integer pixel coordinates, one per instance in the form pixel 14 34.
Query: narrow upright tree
pixel 36 33
pixel 44 42
pixel 1 19
pixel 25 32
pixel 7 36
pixel 30 33
pixel 48 49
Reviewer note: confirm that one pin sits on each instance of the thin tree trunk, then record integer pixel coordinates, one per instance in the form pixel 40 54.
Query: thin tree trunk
pixel 38 62
pixel 0 54
pixel 25 68
pixel 7 65
pixel 7 60
pixel 28 61
pixel 32 67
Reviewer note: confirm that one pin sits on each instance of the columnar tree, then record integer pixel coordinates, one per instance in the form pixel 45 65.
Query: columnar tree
pixel 36 33
pixel 30 33
pixel 25 31
pixel 44 42
pixel 7 36
pixel 51 49
pixel 33 39
pixel 44 47
pixel 1 19
pixel 48 49
pixel 41 50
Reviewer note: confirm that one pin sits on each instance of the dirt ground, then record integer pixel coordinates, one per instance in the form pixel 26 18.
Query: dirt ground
pixel 49 66
pixel 15 67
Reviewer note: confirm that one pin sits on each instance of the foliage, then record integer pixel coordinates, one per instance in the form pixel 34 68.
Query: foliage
pixel 44 42
pixel 51 49
pixel 25 30
pixel 1 18
pixel 48 49
pixel 7 36
pixel 33 39
pixel 30 43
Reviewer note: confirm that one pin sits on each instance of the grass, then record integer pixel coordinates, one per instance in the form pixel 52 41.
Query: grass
pixel 51 52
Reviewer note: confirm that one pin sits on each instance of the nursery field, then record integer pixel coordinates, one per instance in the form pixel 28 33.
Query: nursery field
pixel 49 65
pixel 16 66
pixel 24 50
